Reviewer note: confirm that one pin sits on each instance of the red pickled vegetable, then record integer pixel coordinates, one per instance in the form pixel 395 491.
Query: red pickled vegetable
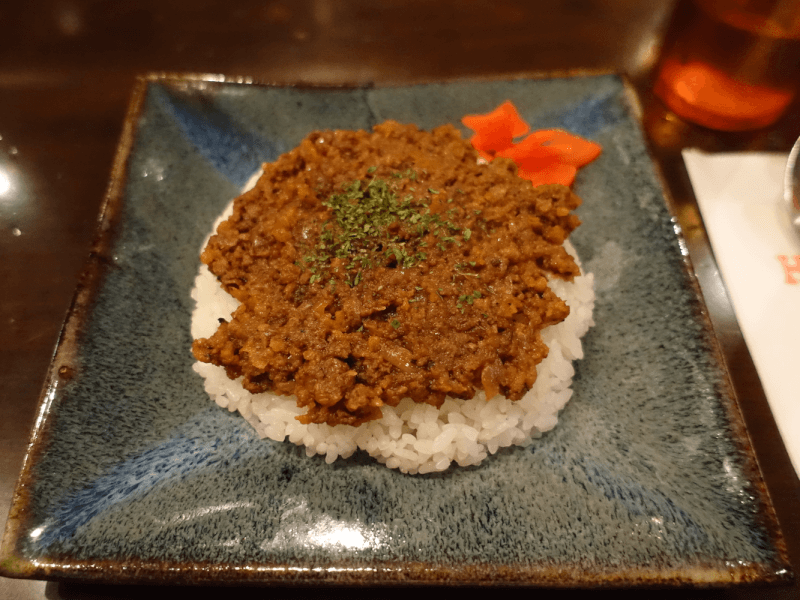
pixel 496 130
pixel 540 172
pixel 566 147
pixel 544 156
pixel 531 147
pixel 504 115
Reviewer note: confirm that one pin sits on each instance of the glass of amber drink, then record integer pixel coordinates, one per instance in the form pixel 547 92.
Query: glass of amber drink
pixel 735 66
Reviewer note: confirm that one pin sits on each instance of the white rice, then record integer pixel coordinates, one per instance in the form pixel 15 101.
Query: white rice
pixel 415 438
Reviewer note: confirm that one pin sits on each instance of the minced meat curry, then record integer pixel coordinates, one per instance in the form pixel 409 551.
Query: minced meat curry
pixel 374 266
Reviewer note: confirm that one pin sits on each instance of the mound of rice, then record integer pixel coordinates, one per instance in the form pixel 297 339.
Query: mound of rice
pixel 414 438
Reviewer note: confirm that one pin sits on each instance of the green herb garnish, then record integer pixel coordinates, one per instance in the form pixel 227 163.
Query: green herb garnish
pixel 370 226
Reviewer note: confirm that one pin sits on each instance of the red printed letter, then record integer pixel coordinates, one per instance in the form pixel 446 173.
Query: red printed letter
pixel 790 269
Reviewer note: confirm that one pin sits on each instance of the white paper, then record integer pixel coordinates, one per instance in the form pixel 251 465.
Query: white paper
pixel 741 200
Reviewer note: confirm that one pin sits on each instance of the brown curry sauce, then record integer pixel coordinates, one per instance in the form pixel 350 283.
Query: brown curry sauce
pixel 426 278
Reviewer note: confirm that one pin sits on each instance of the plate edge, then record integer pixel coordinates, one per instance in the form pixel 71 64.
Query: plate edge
pixel 62 365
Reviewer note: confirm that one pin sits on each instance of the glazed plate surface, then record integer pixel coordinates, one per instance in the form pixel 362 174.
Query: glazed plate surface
pixel 135 475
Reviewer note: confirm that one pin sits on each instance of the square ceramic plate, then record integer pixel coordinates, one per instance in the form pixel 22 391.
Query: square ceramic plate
pixel 135 475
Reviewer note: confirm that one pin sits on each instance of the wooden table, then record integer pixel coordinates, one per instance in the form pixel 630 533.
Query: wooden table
pixel 67 68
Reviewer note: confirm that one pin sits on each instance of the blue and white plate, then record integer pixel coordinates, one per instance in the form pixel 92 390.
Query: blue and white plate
pixel 135 475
